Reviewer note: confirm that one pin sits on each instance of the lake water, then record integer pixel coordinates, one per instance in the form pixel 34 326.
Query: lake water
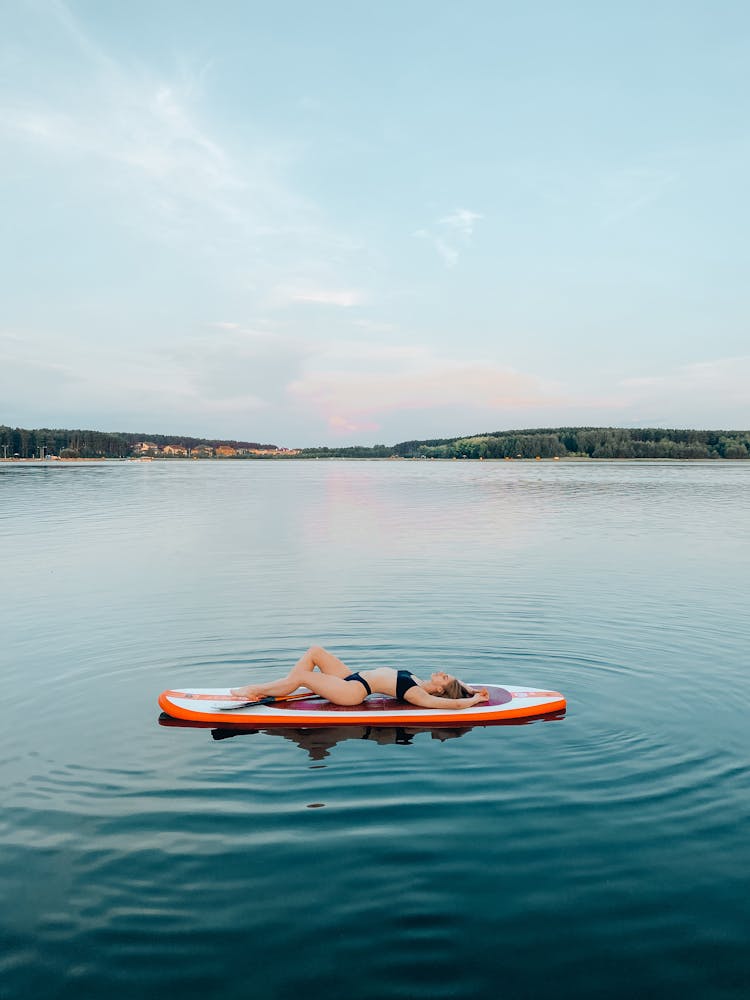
pixel 604 853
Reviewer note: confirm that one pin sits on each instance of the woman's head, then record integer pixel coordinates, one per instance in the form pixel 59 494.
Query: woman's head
pixel 445 686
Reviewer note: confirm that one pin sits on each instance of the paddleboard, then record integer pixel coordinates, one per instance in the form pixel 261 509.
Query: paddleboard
pixel 206 704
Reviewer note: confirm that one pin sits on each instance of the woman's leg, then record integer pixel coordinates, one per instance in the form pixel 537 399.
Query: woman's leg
pixel 285 685
pixel 299 676
pixel 326 662
pixel 335 689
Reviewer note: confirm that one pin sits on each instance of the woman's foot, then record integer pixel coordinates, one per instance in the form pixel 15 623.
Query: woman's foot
pixel 250 691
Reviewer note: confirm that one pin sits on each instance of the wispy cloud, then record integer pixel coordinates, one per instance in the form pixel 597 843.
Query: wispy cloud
pixel 343 298
pixel 606 197
pixel 144 155
pixel 707 385
pixel 146 147
pixel 121 117
pixel 460 222
pixel 629 191
pixel 451 234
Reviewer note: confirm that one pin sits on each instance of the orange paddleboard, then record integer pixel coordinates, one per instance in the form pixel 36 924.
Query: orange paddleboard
pixel 209 705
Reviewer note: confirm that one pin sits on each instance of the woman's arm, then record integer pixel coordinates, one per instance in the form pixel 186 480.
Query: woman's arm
pixel 419 697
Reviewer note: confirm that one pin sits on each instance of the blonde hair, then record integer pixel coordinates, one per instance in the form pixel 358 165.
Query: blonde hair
pixel 455 689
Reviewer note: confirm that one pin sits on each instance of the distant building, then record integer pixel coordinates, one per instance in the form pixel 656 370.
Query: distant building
pixel 175 449
pixel 226 451
pixel 202 451
pixel 146 448
pixel 267 452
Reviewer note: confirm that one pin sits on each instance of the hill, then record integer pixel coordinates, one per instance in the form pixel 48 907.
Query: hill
pixel 562 442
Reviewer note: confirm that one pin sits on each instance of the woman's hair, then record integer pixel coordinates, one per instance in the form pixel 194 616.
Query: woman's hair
pixel 455 689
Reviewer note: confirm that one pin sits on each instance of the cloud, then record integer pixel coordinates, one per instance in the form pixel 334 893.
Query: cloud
pixel 448 253
pixel 49 376
pixel 141 126
pixel 448 383
pixel 461 221
pixel 374 354
pixel 197 379
pixel 451 234
pixel 354 386
pixel 141 151
pixel 373 326
pixel 709 387
pixel 627 192
pixel 607 197
pixel 343 298
pixel 234 366
pixel 341 425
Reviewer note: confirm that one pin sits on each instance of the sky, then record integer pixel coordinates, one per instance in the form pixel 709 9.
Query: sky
pixel 355 223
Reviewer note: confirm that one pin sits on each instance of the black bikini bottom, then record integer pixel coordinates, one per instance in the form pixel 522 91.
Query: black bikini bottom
pixel 362 681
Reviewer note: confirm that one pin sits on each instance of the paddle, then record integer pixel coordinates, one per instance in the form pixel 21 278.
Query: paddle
pixel 268 700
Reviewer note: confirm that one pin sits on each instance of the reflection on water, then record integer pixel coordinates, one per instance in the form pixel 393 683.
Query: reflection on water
pixel 318 741
pixel 608 855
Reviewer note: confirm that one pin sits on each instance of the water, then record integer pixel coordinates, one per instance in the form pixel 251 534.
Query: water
pixel 605 853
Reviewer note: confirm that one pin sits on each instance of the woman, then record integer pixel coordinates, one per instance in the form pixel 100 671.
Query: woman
pixel 337 684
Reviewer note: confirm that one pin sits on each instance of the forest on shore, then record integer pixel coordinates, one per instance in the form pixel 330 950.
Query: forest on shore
pixel 561 442
pixel 23 443
pixel 585 442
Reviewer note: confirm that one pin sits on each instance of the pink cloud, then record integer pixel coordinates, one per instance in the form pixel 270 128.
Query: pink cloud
pixel 346 398
pixel 341 425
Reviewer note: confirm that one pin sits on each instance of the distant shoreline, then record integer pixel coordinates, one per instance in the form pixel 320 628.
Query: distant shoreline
pixel 563 460
pixel 535 444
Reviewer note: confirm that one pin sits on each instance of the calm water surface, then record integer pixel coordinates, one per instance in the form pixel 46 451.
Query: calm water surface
pixel 606 853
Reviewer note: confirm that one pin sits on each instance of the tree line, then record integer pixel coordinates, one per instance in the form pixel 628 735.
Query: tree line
pixel 561 442
pixel 588 442
pixel 25 443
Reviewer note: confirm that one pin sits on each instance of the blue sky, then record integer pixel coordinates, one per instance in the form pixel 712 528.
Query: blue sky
pixel 353 222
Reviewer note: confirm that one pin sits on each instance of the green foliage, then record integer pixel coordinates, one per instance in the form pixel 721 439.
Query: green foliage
pixel 561 442
pixel 354 451
pixel 95 444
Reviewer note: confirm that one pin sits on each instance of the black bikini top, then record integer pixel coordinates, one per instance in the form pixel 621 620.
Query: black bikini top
pixel 404 681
